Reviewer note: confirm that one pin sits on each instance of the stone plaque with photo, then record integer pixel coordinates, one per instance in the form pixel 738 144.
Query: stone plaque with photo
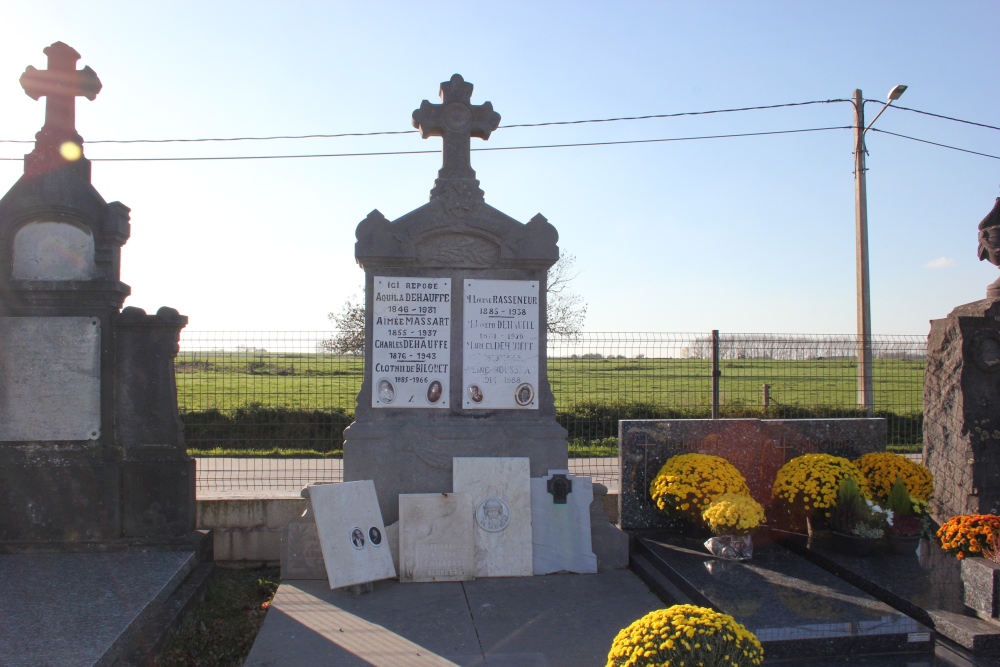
pixel 500 349
pixel 411 342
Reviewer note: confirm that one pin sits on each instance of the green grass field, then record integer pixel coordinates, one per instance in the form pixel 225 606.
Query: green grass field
pixel 273 391
pixel 226 380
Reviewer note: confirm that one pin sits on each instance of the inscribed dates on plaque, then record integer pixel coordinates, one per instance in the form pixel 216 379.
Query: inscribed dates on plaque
pixel 500 353
pixel 411 342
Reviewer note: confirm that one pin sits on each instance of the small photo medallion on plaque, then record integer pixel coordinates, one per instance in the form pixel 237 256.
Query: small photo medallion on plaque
pixel 434 392
pixel 375 536
pixel 493 515
pixel 475 393
pixel 358 538
pixel 524 394
pixel 386 392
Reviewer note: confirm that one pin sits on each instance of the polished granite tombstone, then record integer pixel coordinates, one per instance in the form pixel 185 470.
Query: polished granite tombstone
pixel 795 608
pixel 926 585
pixel 757 447
pixel 74 609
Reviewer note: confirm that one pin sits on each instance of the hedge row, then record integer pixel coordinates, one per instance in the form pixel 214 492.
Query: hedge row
pixel 259 427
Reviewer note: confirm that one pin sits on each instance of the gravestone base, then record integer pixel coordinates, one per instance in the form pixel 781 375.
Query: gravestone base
pixel 408 458
pixel 159 497
pixel 961 419
pixel 59 498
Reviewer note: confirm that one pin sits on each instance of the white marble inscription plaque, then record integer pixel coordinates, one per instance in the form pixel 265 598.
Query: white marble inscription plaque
pixel 351 533
pixel 503 544
pixel 411 342
pixel 560 523
pixel 500 351
pixel 53 251
pixel 436 537
pixel 50 378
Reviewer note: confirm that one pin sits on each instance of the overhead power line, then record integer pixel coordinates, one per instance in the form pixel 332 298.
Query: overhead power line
pixel 934 143
pixel 395 132
pixel 937 115
pixel 483 149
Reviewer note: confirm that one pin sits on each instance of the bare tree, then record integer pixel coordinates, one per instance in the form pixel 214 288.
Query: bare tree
pixel 566 309
pixel 350 325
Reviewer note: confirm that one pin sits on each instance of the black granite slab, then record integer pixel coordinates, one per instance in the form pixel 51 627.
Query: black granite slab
pixel 926 585
pixel 795 608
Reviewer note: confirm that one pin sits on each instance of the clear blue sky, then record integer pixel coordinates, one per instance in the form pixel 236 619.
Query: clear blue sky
pixel 742 235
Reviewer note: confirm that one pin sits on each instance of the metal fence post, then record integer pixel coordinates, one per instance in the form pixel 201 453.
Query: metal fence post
pixel 715 373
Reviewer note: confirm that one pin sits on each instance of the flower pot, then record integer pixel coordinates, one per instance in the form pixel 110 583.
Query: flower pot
pixel 852 545
pixel 818 526
pixel 731 547
pixel 904 545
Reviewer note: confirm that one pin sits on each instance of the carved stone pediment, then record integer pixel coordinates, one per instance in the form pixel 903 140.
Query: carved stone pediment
pixel 459 250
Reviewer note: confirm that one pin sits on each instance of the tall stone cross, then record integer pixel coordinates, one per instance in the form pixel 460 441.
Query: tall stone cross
pixel 61 84
pixel 456 120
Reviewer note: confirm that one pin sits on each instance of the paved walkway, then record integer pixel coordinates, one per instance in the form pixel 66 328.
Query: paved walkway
pixel 564 620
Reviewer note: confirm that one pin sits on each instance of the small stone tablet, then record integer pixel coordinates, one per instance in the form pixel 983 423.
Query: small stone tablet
pixel 351 533
pixel 436 537
pixel 560 523
pixel 501 500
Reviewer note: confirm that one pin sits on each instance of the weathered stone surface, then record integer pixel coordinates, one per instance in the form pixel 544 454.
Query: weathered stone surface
pixel 436 537
pixel 50 378
pixel 500 489
pixel 757 447
pixel 91 447
pixel 962 410
pixel 981 579
pixel 457 235
pixel 351 533
pixel 560 523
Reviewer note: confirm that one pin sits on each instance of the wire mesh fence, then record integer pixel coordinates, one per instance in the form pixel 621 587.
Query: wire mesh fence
pixel 246 395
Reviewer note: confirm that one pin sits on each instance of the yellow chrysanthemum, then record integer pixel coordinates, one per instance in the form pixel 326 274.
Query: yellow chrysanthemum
pixel 811 481
pixel 733 513
pixel 688 483
pixel 656 640
pixel 881 469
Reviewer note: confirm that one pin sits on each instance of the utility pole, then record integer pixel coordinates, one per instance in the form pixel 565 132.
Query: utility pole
pixel 866 388
pixel 864 319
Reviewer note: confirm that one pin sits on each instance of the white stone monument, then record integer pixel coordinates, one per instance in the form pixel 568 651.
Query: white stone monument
pixel 436 537
pixel 500 488
pixel 560 523
pixel 351 533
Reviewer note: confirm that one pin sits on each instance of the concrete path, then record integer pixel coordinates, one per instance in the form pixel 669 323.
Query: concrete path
pixel 564 620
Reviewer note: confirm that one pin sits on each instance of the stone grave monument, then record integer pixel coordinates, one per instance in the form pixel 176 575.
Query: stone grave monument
pixel 97 532
pixel 455 327
pixel 962 397
pixel 91 445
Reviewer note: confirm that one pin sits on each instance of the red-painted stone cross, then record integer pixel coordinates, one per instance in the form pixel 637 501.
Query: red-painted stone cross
pixel 456 120
pixel 61 84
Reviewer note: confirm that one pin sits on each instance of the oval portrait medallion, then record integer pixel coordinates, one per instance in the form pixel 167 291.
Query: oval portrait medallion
pixel 524 394
pixel 375 536
pixel 434 392
pixel 475 393
pixel 386 392
pixel 493 515
pixel 357 538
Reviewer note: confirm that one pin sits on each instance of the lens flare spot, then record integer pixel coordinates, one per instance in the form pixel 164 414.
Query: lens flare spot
pixel 70 151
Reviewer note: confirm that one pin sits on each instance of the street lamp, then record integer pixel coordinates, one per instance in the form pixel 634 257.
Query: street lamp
pixel 865 384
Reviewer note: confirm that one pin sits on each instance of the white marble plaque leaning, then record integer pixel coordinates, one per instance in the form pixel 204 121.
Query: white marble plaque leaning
pixel 436 537
pixel 560 523
pixel 50 378
pixel 411 342
pixel 351 533
pixel 500 489
pixel 500 345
